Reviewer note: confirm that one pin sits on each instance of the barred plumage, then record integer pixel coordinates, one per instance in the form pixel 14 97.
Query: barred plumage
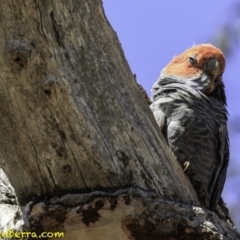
pixel 190 111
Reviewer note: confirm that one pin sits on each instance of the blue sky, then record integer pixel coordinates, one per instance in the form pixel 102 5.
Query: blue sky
pixel 152 32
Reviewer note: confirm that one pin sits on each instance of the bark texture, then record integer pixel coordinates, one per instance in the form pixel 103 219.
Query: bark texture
pixel 124 214
pixel 72 117
pixel 73 121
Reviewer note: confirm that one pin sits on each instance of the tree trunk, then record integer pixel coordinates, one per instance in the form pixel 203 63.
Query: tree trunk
pixel 78 141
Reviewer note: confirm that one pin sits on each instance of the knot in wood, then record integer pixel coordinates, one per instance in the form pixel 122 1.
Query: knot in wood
pixel 18 55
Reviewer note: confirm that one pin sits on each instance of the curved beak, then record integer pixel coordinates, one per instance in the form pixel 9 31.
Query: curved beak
pixel 213 66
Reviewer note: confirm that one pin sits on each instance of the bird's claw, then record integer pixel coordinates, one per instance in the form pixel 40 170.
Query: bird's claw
pixel 185 166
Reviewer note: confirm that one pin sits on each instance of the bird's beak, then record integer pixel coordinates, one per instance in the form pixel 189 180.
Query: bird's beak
pixel 213 66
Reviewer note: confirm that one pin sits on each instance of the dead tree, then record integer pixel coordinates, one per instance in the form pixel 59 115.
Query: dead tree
pixel 78 141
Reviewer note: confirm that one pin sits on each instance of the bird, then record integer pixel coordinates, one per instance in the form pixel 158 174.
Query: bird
pixel 189 106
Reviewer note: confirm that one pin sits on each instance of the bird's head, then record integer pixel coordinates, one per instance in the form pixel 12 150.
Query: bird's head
pixel 201 60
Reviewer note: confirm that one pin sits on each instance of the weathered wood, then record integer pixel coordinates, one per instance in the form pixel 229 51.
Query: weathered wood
pixel 8 204
pixel 72 117
pixel 78 141
pixel 126 214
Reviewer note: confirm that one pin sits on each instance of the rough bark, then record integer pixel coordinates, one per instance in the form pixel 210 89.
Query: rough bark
pixel 72 116
pixel 73 121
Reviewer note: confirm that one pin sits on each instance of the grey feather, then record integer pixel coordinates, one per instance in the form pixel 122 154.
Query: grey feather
pixel 195 127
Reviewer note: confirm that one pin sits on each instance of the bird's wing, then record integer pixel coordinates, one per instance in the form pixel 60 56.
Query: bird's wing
pixel 160 116
pixel 223 158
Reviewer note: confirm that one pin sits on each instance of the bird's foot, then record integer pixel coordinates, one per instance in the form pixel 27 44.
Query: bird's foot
pixel 185 166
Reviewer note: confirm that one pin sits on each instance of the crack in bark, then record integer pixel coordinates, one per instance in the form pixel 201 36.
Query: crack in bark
pixel 90 117
pixel 51 176
pixel 57 30
pixel 40 18
pixel 35 151
pixel 78 168
pixel 79 122
pixel 33 146
pixel 63 141
pixel 41 27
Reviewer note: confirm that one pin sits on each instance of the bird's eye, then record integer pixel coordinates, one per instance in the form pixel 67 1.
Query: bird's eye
pixel 192 60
